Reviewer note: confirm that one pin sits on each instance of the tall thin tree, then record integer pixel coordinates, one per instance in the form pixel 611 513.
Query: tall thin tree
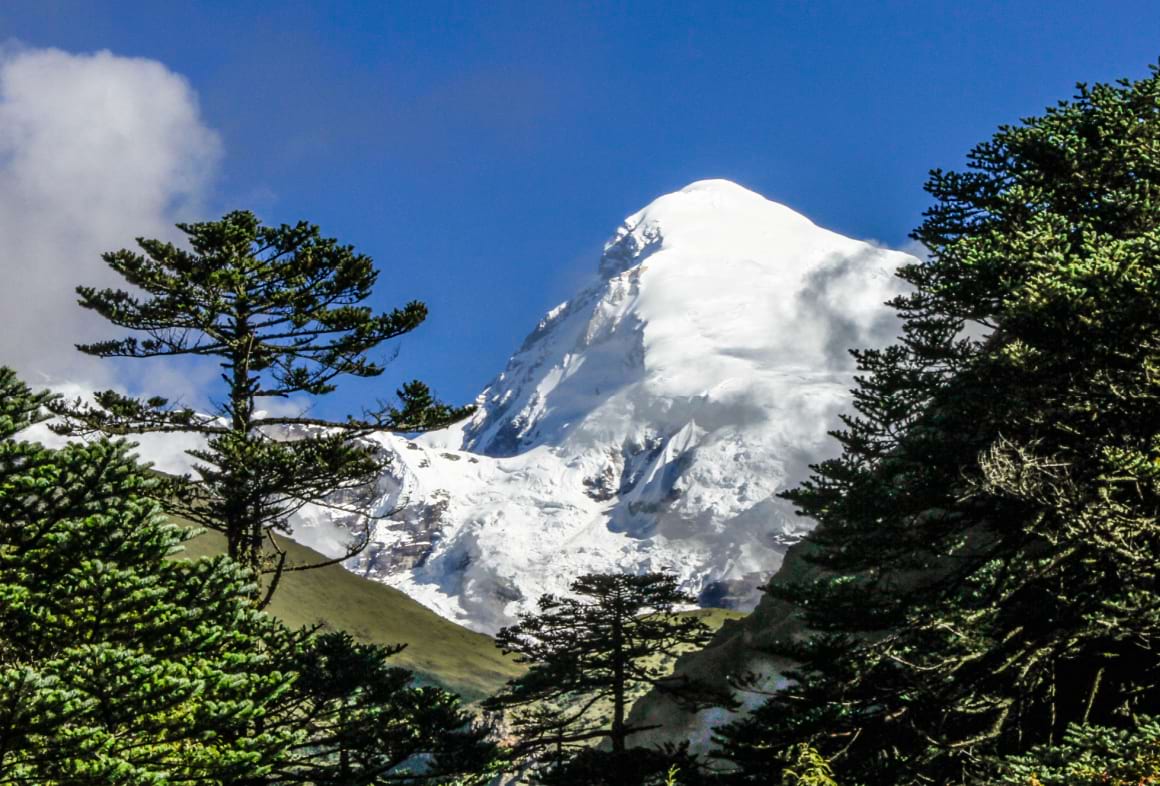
pixel 590 656
pixel 282 310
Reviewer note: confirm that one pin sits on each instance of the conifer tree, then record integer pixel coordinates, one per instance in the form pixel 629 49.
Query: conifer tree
pixel 281 309
pixel 1090 755
pixel 366 722
pixel 590 657
pixel 122 665
pixel 117 665
pixel 989 538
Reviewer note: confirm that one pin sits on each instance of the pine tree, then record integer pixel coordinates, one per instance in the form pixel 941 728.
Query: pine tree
pixel 118 665
pixel 367 722
pixel 591 656
pixel 1091 756
pixel 281 309
pixel 989 537
pixel 122 665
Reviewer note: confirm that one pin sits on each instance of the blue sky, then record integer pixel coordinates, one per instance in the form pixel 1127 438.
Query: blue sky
pixel 482 152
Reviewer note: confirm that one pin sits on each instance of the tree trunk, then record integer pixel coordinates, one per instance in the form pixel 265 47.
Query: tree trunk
pixel 618 736
pixel 243 531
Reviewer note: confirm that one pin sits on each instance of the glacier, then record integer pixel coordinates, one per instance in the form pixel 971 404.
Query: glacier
pixel 646 424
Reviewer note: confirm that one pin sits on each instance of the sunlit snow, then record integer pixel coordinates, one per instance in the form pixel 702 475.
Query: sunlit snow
pixel 648 423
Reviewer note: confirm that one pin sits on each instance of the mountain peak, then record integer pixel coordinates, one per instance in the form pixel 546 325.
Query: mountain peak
pixel 704 215
pixel 648 423
pixel 717 184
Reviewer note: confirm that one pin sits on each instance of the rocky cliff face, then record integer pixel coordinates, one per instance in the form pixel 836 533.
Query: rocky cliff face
pixel 646 424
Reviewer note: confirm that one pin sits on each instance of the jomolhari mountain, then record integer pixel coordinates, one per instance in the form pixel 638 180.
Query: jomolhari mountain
pixel 647 424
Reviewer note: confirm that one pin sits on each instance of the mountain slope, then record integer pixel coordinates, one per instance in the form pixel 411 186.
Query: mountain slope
pixel 461 660
pixel 646 424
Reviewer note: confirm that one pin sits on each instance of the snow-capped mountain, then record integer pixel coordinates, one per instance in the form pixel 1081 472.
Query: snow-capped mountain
pixel 646 424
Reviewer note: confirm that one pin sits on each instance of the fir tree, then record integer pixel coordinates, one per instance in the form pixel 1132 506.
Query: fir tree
pixel 366 722
pixel 989 537
pixel 1091 756
pixel 281 309
pixel 117 665
pixel 591 656
pixel 122 665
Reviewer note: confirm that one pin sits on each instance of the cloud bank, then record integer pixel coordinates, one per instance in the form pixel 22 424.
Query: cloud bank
pixel 95 150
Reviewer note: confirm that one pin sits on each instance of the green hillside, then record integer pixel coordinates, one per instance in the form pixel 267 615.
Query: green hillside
pixel 461 660
pixel 438 650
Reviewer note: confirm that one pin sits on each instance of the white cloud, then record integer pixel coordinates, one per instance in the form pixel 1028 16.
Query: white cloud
pixel 95 150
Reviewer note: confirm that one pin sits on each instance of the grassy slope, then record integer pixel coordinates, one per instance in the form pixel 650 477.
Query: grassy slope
pixel 438 650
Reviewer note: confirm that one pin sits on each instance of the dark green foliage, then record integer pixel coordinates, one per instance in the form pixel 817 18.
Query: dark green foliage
pixel 365 722
pixel 121 666
pixel 281 309
pixel 637 766
pixel 989 535
pixel 116 664
pixel 590 656
pixel 1091 756
pixel 438 651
